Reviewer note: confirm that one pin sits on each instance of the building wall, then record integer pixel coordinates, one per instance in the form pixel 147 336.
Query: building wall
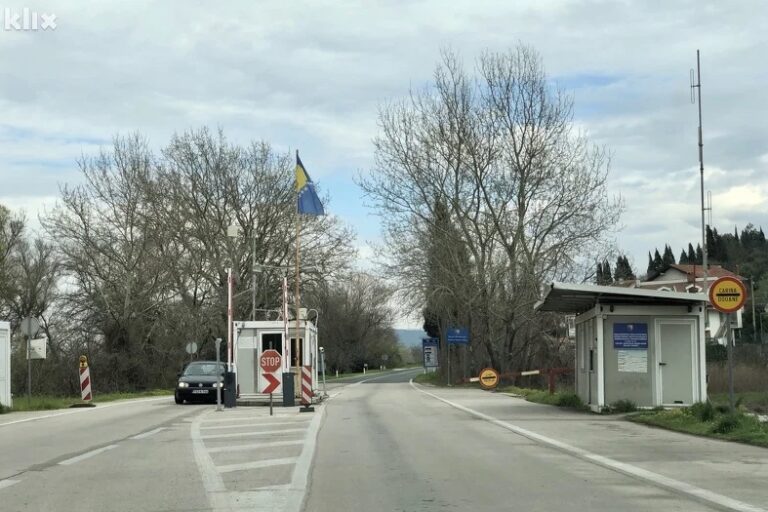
pixel 625 385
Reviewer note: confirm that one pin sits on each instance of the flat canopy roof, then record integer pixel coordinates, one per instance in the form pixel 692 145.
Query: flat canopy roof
pixel 577 298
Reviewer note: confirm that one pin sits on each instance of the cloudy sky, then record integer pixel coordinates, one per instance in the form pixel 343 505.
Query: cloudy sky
pixel 312 74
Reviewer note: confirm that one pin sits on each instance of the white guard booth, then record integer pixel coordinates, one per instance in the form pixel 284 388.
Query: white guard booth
pixel 251 338
pixel 5 364
pixel 642 345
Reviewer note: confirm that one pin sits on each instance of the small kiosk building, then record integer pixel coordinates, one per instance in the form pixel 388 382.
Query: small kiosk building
pixel 646 346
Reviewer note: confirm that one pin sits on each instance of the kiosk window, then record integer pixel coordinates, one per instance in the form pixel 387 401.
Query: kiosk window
pixel 272 340
pixel 295 352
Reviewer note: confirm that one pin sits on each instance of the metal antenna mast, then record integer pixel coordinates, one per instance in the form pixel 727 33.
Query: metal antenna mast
pixel 694 94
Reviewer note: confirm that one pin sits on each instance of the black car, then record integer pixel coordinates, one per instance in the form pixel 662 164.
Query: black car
pixel 198 381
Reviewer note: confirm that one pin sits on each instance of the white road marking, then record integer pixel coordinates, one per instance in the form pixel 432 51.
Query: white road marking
pixel 85 409
pixel 145 435
pixel 86 455
pixel 259 419
pixel 255 425
pixel 697 493
pixel 8 483
pixel 259 433
pixel 301 470
pixel 212 481
pixel 256 464
pixel 253 446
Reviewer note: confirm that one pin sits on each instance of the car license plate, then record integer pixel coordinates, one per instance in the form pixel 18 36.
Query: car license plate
pixel 199 391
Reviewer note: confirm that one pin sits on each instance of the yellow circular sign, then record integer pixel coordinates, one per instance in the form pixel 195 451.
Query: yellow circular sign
pixel 83 362
pixel 727 294
pixel 489 378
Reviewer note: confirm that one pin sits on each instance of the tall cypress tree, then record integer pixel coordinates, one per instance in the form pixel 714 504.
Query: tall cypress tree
pixel 669 257
pixel 658 262
pixel 607 277
pixel 650 263
pixel 683 260
pixel 628 269
pixel 691 254
pixel 599 279
pixel 699 255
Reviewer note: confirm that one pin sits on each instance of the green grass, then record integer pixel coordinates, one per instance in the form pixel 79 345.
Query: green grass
pixel 47 402
pixel 540 396
pixel 708 421
pixel 428 378
pixel 754 401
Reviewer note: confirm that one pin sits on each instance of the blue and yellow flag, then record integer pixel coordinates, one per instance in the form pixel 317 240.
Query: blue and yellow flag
pixel 308 201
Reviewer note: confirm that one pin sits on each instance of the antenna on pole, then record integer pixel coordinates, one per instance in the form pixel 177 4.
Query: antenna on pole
pixel 696 96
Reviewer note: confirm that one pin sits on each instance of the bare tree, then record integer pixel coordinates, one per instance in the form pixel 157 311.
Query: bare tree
pixel 525 193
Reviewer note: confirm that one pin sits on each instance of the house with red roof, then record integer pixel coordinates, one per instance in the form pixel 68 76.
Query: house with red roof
pixel 690 278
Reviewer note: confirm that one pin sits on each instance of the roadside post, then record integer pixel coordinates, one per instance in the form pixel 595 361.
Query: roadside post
pixel 29 328
pixel 322 367
pixel 85 380
pixel 455 336
pixel 218 373
pixel 728 295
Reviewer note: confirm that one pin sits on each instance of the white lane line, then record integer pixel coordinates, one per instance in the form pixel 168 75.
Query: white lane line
pixel 257 425
pixel 697 493
pixel 256 464
pixel 145 435
pixel 86 455
pixel 259 433
pixel 86 409
pixel 253 446
pixel 300 478
pixel 8 483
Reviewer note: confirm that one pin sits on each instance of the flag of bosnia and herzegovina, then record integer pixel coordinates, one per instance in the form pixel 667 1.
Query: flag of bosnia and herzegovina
pixel 308 202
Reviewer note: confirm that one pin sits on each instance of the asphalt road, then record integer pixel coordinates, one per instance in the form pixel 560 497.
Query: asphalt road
pixel 379 443
pixel 387 445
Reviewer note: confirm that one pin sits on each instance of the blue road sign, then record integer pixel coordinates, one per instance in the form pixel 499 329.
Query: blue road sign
pixel 457 335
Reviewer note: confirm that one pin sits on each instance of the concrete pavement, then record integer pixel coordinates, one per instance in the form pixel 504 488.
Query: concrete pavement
pixel 391 447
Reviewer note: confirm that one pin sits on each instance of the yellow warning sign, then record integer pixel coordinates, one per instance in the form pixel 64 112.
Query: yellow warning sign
pixel 727 294
pixel 83 362
pixel 489 378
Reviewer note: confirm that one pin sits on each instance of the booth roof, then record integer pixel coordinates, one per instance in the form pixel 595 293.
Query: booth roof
pixel 577 298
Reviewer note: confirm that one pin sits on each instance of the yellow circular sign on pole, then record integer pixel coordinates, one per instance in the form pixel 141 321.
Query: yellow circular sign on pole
pixel 727 294
pixel 489 378
pixel 83 362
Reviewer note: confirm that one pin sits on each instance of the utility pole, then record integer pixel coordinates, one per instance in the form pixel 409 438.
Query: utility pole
pixel 694 97
pixel 752 299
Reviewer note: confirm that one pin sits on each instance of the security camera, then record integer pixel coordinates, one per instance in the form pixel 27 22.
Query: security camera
pixel 322 349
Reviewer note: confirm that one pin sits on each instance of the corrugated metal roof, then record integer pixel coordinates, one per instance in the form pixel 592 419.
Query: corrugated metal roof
pixel 577 298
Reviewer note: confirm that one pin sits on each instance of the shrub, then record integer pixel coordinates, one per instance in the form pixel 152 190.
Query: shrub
pixel 4 409
pixel 727 423
pixel 704 411
pixel 623 406
pixel 569 400
pixel 723 408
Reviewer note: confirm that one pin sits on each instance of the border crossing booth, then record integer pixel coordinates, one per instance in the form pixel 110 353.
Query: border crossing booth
pixel 5 364
pixel 252 338
pixel 647 346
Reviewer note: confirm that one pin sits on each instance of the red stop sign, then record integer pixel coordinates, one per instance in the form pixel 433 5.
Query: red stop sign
pixel 270 360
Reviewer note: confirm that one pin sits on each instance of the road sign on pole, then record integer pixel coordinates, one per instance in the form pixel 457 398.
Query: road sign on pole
pixel 191 348
pixel 270 361
pixel 728 295
pixel 30 326
pixel 457 335
pixel 489 378
pixel 429 350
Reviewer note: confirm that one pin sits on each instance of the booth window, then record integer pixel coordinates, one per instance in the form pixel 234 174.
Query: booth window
pixel 295 352
pixel 272 340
